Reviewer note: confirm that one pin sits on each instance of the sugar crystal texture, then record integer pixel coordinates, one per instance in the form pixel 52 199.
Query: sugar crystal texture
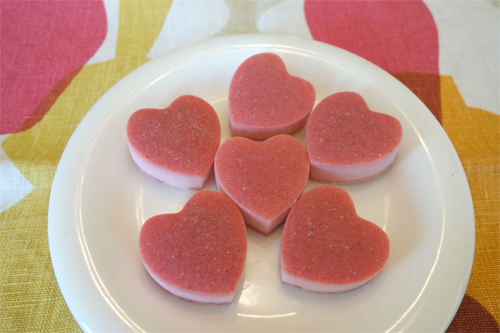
pixel 265 100
pixel 199 253
pixel 327 247
pixel 176 145
pixel 347 142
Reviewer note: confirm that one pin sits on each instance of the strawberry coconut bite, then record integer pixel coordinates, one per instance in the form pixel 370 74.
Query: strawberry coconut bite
pixel 176 145
pixel 265 100
pixel 347 142
pixel 199 253
pixel 327 247
pixel 264 179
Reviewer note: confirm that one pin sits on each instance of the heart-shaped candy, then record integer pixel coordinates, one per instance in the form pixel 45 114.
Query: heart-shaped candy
pixel 199 253
pixel 264 179
pixel 327 247
pixel 265 100
pixel 347 142
pixel 176 145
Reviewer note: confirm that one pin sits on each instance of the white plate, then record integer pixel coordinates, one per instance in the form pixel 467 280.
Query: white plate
pixel 100 199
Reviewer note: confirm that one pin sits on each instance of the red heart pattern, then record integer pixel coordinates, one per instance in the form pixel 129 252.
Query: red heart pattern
pixel 176 145
pixel 327 247
pixel 347 142
pixel 265 100
pixel 199 253
pixel 264 179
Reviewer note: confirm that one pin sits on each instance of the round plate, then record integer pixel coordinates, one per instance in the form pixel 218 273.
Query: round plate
pixel 100 200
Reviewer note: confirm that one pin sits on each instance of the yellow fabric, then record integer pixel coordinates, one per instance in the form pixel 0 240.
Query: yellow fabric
pixel 476 136
pixel 27 279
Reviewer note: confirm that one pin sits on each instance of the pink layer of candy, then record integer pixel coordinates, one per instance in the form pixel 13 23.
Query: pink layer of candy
pixel 265 100
pixel 327 247
pixel 347 142
pixel 264 179
pixel 176 145
pixel 199 253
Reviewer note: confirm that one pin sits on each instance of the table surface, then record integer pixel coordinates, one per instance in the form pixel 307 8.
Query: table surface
pixel 58 58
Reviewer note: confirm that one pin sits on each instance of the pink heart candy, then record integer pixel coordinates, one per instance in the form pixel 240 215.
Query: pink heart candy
pixel 199 253
pixel 347 142
pixel 327 247
pixel 264 179
pixel 265 100
pixel 176 145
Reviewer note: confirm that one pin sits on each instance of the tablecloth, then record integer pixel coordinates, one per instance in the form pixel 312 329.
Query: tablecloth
pixel 59 57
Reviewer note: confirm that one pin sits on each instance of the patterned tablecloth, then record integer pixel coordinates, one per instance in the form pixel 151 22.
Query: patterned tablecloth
pixel 59 57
